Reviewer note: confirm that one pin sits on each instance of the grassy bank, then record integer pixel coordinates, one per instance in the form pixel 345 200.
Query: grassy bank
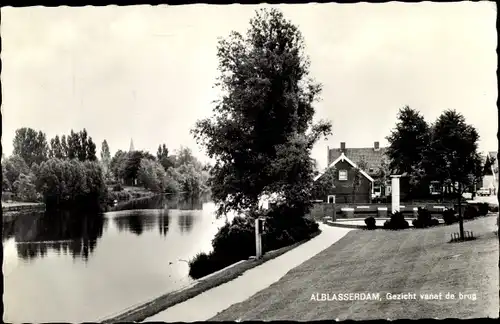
pixel 159 304
pixel 415 261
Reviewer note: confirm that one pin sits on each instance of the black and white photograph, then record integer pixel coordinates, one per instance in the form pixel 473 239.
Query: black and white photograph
pixel 250 162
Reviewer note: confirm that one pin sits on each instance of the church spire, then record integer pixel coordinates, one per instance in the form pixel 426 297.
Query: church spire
pixel 131 145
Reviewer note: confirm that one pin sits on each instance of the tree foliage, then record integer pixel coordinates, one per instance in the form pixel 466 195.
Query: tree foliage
pixel 357 179
pixel 56 148
pixel 152 175
pixel 105 156
pixel 165 160
pixel 25 187
pixel 453 154
pixel 325 184
pixel 30 145
pixel 408 144
pixel 71 183
pixel 265 113
pixel 13 167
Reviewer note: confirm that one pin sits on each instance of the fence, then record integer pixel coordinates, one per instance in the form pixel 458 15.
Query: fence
pixel 320 210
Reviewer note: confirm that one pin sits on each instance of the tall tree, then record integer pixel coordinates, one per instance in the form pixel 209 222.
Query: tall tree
pixel 408 146
pixel 56 148
pixel 64 146
pixel 265 114
pixel 454 154
pixel 90 150
pixel 163 157
pixel 30 145
pixel 105 156
pixel 357 179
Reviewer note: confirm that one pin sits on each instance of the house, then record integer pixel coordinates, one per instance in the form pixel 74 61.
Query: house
pixel 348 188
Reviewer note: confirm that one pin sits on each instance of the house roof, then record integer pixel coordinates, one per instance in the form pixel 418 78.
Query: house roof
pixel 343 157
pixel 372 157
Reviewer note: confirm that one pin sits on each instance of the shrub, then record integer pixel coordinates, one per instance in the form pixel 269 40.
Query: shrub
pixel 471 212
pixel 482 209
pixel 449 216
pixel 235 241
pixel 493 208
pixel 371 223
pixel 396 222
pixel 117 187
pixel 424 219
pixel 203 264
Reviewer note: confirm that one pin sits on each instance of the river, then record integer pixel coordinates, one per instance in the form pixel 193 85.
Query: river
pixel 80 268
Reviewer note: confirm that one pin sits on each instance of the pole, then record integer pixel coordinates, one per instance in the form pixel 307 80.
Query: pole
pixel 460 216
pixel 258 245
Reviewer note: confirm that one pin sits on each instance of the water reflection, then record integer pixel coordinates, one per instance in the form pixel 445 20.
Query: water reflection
pixel 62 232
pixel 185 222
pixel 138 221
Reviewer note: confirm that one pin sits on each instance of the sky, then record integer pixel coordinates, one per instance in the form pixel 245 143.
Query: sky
pixel 147 72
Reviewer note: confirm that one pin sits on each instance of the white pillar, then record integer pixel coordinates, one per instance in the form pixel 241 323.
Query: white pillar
pixel 258 243
pixel 395 193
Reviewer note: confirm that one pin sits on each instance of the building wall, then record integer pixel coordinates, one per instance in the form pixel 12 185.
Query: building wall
pixel 343 190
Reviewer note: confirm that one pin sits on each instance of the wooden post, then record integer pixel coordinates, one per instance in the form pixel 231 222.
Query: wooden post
pixel 460 216
pixel 258 243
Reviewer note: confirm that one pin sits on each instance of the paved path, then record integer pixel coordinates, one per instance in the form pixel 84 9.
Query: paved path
pixel 208 304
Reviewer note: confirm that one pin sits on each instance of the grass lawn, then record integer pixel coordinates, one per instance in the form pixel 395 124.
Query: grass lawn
pixel 416 261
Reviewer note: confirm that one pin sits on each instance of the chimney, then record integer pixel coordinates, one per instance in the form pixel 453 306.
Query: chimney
pixel 342 146
pixel 376 146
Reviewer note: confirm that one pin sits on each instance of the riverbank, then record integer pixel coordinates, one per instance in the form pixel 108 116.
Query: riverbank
pixel 420 261
pixel 165 302
pixel 14 207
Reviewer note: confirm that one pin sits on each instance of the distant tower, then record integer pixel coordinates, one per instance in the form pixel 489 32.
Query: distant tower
pixel 131 145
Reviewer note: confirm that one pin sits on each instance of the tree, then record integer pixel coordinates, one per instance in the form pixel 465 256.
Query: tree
pixel 30 145
pixel 325 184
pixel 408 147
pixel 132 163
pixel 454 156
pixel 185 156
pixel 152 175
pixel 13 167
pixel 105 156
pixel 90 150
pixel 56 148
pixel 25 188
pixel 163 157
pixel 117 164
pixel 489 163
pixel 64 147
pixel 383 177
pixel 266 105
pixel 357 179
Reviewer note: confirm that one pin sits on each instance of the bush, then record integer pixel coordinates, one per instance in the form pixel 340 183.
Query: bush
pixel 203 264
pixel 471 212
pixel 449 216
pixel 371 223
pixel 483 209
pixel 424 219
pixel 117 187
pixel 25 188
pixel 493 208
pixel 235 241
pixel 396 222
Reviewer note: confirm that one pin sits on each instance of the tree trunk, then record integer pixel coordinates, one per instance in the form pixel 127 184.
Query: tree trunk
pixel 460 216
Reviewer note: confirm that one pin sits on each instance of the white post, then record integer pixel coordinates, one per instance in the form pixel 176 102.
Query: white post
pixel 258 243
pixel 395 192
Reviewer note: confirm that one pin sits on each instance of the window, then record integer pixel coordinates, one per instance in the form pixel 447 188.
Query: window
pixel 343 175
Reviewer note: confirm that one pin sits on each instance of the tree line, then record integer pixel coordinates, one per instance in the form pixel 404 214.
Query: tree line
pixel 444 152
pixel 66 171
